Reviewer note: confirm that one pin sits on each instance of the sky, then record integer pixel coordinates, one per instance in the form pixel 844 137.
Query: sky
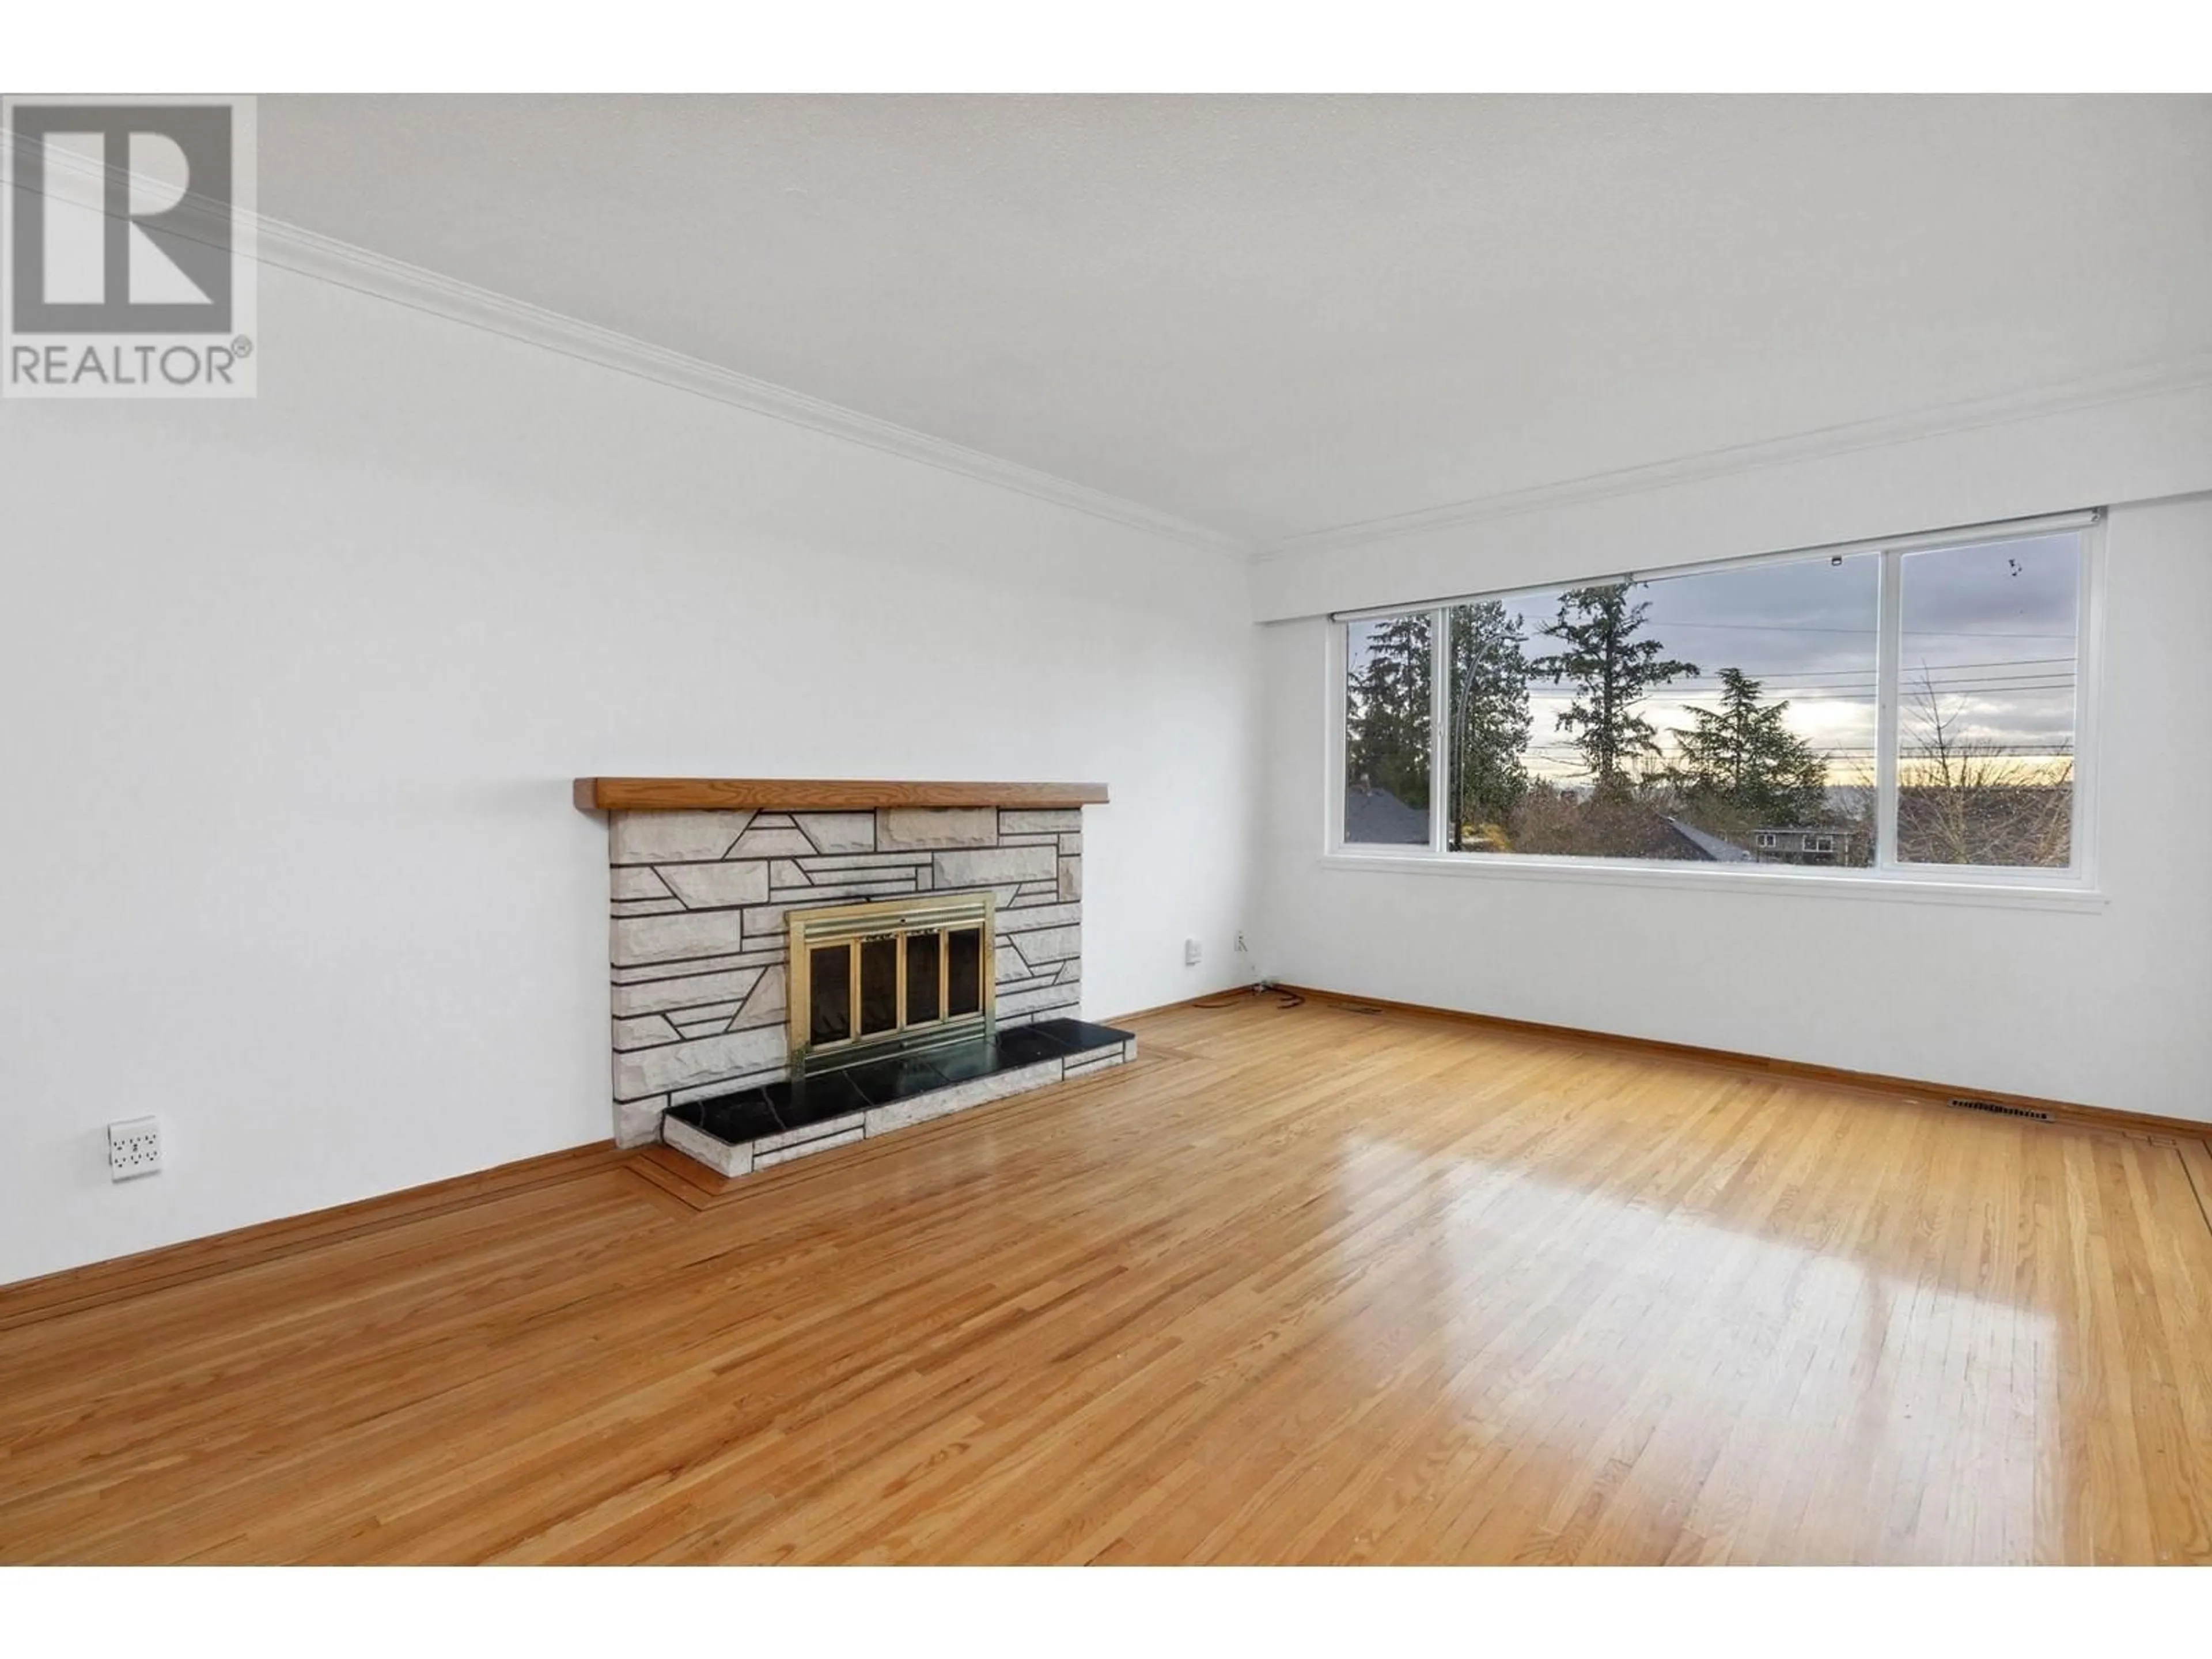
pixel 1990 626
pixel 1989 629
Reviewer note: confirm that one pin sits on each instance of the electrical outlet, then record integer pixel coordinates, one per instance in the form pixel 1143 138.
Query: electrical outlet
pixel 134 1148
pixel 1191 953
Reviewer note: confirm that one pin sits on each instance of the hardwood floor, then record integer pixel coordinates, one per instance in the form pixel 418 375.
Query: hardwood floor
pixel 1298 1285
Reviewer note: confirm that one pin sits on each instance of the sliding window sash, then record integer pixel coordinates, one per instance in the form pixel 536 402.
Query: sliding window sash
pixel 1889 653
pixel 1439 724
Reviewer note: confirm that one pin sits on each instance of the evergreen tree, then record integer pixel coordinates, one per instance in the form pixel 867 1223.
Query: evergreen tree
pixel 1386 726
pixel 1743 755
pixel 1489 716
pixel 1611 670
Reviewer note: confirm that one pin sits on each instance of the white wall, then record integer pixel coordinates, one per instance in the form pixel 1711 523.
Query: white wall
pixel 2142 434
pixel 295 689
pixel 2111 1008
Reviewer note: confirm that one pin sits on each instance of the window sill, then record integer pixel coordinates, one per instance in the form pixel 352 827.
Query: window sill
pixel 1898 888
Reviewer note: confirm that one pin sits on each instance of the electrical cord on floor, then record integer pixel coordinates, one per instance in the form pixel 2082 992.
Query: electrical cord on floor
pixel 1229 998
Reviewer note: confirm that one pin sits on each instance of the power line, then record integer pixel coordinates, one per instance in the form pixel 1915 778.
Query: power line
pixel 1834 671
pixel 2044 745
pixel 1708 682
pixel 1868 631
pixel 1857 693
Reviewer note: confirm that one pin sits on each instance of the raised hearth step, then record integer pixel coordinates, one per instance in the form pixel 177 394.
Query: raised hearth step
pixel 753 1129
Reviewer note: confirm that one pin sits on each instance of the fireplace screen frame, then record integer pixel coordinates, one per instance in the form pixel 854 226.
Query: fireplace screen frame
pixel 849 926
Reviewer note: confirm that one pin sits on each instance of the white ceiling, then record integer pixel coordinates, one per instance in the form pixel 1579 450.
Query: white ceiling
pixel 1276 316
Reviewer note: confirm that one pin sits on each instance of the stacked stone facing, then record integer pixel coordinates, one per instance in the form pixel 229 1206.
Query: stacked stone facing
pixel 699 945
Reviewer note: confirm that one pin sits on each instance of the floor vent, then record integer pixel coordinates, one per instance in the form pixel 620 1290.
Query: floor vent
pixel 1966 1103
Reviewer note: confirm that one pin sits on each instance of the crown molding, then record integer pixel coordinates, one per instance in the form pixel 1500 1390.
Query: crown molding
pixel 327 259
pixel 2088 392
pixel 341 264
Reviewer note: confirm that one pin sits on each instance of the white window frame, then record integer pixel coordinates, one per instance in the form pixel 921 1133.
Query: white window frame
pixel 2072 887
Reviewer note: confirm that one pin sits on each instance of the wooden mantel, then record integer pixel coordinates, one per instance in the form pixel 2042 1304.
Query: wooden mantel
pixel 817 795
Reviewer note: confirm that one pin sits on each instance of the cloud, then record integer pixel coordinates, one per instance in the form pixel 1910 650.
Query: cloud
pixel 1992 627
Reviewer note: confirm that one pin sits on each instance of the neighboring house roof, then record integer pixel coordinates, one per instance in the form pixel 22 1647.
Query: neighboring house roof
pixel 1378 817
pixel 1712 846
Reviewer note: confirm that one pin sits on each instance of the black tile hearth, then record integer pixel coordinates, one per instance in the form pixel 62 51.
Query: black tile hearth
pixel 962 1061
pixel 1026 1045
pixel 899 1078
pixel 1080 1034
pixel 800 1101
pixel 734 1118
pixel 748 1115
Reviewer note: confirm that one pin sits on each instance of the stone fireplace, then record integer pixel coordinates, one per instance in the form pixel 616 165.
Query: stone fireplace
pixel 786 953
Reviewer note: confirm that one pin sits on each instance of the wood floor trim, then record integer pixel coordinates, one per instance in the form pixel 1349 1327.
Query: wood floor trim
pixel 669 1173
pixel 49 1297
pixel 2095 1118
pixel 673 1176
pixel 1299 1284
